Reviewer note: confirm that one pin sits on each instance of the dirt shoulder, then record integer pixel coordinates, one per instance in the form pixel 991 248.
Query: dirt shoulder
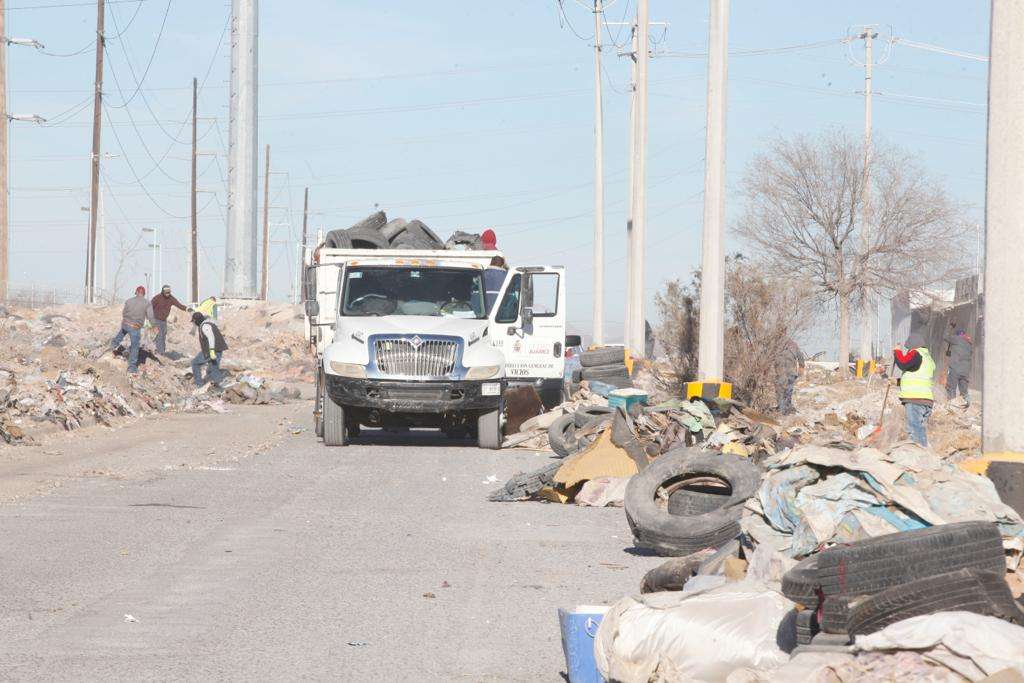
pixel 148 447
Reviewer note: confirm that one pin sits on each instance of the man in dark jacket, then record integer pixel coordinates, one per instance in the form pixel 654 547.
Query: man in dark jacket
pixel 162 305
pixel 211 349
pixel 789 365
pixel 961 353
pixel 494 278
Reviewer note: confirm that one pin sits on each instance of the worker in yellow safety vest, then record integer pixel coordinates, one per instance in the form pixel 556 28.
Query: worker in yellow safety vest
pixel 916 386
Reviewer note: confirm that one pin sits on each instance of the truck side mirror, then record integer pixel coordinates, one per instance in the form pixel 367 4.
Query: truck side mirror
pixel 573 340
pixel 312 308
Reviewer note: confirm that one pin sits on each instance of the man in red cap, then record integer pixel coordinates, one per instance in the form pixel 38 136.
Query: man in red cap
pixel 134 315
pixel 489 240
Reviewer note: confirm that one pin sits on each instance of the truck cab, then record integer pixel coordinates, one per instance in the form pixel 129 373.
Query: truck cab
pixel 404 339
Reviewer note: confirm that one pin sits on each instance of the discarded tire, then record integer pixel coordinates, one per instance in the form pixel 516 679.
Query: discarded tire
pixel 608 355
pixel 338 239
pixel 656 529
pixel 873 565
pixel 526 484
pixel 696 499
pixel 806 626
pixel 603 373
pixel 416 231
pixel 392 228
pixel 589 414
pixel 367 238
pixel 460 238
pixel 1008 478
pixel 799 584
pixel 967 590
pixel 562 436
pixel 374 221
pixel 835 614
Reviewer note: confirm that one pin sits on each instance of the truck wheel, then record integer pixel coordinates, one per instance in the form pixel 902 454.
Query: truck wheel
pixel 334 423
pixel 488 430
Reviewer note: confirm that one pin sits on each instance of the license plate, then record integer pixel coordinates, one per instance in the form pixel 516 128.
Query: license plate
pixel 490 389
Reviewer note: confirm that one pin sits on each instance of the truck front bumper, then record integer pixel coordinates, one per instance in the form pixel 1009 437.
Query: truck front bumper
pixel 396 396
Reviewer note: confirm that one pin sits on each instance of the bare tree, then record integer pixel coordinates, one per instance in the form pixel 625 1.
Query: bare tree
pixel 803 207
pixel 124 251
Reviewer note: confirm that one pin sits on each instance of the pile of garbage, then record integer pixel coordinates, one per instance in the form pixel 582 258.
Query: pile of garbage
pixel 57 371
pixel 377 232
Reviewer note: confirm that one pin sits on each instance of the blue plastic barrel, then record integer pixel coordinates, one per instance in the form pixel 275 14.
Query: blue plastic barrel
pixel 579 628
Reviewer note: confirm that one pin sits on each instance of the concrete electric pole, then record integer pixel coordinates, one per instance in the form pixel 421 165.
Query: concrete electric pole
pixel 305 226
pixel 240 259
pixel 635 337
pixel 194 236
pixel 869 314
pixel 97 126
pixel 1003 374
pixel 4 195
pixel 631 216
pixel 712 290
pixel 265 271
pixel 598 182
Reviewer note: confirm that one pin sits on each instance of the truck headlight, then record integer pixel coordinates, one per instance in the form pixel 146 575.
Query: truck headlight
pixel 349 370
pixel 483 372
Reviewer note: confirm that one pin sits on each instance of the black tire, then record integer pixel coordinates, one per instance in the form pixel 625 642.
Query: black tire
pixel 806 626
pixel 616 382
pixel 562 436
pixel 607 355
pixel 967 590
pixel 526 484
pixel 589 414
pixel 367 238
pixel 800 584
pixel 688 503
pixel 600 372
pixel 671 575
pixel 835 614
pixel 873 565
pixel 374 221
pixel 666 534
pixel 488 430
pixel 392 228
pixel 1008 478
pixel 335 428
pixel 338 239
pixel 416 232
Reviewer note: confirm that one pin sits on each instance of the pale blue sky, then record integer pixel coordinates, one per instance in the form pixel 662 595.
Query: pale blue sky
pixel 467 115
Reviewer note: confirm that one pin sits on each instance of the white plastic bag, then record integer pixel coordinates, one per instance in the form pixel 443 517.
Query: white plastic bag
pixel 700 636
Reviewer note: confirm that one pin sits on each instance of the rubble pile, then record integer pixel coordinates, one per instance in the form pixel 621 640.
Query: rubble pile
pixel 57 370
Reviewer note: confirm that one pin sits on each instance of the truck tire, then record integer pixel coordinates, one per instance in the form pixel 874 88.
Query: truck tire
pixel 334 423
pixel 589 414
pixel 374 221
pixel 525 484
pixel 562 436
pixel 835 614
pixel 416 232
pixel 875 564
pixel 674 535
pixel 393 228
pixel 608 355
pixel 606 372
pixel 488 430
pixel 687 503
pixel 367 238
pixel 966 590
pixel 806 626
pixel 799 584
pixel 338 239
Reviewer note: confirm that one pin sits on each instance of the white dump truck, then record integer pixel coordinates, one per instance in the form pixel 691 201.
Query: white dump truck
pixel 403 338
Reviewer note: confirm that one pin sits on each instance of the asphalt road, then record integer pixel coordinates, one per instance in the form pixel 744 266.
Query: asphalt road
pixel 243 548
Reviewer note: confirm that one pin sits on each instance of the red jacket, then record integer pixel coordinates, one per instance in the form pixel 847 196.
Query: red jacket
pixel 162 306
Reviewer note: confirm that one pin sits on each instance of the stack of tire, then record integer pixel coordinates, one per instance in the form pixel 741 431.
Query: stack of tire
pixel 689 500
pixel 865 586
pixel 606 364
pixel 377 232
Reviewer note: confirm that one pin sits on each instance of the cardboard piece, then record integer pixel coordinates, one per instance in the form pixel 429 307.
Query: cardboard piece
pixel 600 459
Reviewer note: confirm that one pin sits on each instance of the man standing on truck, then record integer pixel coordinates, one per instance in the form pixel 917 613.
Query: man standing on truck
pixel 162 304
pixel 133 316
pixel 494 278
pixel 211 349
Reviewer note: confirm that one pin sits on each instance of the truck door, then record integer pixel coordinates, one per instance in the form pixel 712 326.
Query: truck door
pixel 528 323
pixel 322 287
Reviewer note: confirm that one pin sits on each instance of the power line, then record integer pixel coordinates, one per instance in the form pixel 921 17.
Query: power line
pixel 941 50
pixel 756 51
pixel 149 64
pixel 70 4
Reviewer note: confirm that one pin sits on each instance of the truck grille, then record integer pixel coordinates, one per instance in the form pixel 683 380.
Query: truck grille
pixel 415 357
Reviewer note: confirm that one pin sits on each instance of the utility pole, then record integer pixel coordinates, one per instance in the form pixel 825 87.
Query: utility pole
pixel 635 333
pixel 598 182
pixel 97 120
pixel 631 218
pixel 1002 430
pixel 4 123
pixel 305 224
pixel 265 276
pixel 194 237
pixel 712 281
pixel 869 314
pixel 240 258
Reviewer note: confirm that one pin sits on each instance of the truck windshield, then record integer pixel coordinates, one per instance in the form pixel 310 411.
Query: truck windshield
pixel 388 290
